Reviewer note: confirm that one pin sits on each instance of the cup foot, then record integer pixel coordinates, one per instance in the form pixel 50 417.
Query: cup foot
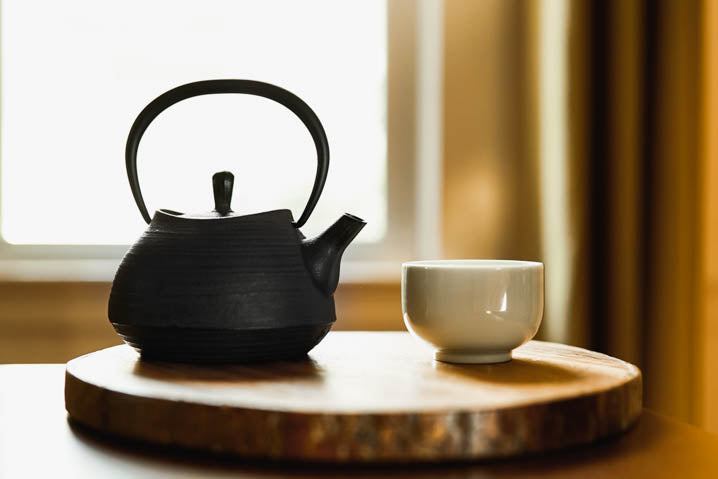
pixel 467 357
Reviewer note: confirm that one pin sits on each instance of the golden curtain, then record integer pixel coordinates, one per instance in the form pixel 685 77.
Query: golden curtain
pixel 620 227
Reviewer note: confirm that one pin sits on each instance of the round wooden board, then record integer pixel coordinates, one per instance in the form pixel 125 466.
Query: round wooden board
pixel 360 396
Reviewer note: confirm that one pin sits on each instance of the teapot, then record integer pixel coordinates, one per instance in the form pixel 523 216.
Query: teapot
pixel 218 287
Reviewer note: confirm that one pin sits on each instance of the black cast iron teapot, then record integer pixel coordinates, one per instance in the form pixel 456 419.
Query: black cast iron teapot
pixel 220 287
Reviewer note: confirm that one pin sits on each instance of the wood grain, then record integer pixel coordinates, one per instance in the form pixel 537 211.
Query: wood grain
pixel 360 397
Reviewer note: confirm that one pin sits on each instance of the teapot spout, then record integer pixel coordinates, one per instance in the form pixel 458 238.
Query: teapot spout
pixel 323 254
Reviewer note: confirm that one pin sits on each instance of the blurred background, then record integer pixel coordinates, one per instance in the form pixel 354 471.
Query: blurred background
pixel 583 134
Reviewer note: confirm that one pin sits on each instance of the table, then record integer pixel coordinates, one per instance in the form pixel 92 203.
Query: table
pixel 37 440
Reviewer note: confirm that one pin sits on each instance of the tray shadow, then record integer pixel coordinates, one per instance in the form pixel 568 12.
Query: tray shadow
pixel 517 371
pixel 304 368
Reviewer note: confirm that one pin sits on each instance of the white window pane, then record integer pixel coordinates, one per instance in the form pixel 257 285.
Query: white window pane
pixel 76 73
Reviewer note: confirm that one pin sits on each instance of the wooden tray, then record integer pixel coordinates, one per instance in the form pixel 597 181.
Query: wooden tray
pixel 360 397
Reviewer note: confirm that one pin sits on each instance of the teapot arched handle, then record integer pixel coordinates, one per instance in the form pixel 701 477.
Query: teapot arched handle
pixel 249 87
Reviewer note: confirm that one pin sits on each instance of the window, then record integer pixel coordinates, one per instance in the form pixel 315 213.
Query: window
pixel 67 105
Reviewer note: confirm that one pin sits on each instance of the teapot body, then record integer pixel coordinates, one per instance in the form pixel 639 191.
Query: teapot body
pixel 223 287
pixel 204 290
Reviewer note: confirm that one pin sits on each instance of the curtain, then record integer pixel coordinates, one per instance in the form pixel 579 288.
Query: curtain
pixel 572 135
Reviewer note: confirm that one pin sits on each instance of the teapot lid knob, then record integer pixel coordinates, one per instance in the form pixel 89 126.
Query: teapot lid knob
pixel 222 184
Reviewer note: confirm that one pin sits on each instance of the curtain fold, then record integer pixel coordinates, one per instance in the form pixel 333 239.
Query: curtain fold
pixel 644 207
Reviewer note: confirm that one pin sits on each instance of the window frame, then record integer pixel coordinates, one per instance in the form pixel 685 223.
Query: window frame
pixel 414 119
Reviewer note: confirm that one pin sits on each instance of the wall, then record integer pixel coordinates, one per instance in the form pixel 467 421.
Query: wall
pixel 490 170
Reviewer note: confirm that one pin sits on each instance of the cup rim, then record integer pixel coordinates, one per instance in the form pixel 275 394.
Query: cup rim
pixel 495 264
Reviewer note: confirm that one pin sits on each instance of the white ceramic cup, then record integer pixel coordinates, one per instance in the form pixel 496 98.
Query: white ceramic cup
pixel 472 311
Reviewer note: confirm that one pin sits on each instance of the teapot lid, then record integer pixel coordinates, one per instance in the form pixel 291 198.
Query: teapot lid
pixel 222 185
